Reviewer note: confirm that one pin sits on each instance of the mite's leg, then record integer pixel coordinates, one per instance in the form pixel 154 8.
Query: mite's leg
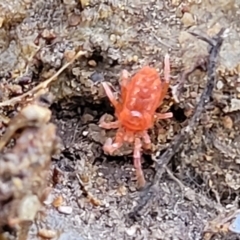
pixel 137 163
pixel 110 147
pixel 124 80
pixel 108 125
pixel 146 140
pixel 167 68
pixel 128 136
pixel 166 78
pixel 159 116
pixel 110 95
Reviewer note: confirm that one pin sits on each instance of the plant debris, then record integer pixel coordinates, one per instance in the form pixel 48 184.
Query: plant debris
pixel 25 168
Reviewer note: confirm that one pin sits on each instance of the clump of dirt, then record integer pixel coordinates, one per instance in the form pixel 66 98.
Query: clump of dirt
pixel 25 168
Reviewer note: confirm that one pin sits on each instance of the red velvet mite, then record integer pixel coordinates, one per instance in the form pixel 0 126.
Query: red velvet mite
pixel 135 111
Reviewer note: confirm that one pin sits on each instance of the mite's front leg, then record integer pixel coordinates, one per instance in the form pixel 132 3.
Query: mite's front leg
pixel 137 163
pixel 108 125
pixel 166 78
pixel 124 80
pixel 110 95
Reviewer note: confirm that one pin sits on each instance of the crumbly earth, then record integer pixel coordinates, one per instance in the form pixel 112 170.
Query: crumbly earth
pixel 92 194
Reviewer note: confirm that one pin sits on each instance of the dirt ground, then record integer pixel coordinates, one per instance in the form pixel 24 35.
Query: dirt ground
pixel 56 182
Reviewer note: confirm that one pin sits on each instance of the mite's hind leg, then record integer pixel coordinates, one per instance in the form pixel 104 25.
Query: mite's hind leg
pixel 146 140
pixel 137 163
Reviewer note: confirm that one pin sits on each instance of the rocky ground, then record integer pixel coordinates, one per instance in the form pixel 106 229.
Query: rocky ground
pixel 55 180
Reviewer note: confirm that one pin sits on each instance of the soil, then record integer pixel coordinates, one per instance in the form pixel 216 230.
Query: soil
pixel 64 185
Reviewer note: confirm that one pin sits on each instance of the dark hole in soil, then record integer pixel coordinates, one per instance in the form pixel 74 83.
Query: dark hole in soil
pixel 154 214
pixel 174 163
pixel 147 161
pixel 96 56
pixel 77 105
pixel 228 197
pixel 65 167
pixel 6 201
pixel 114 63
pixel 121 160
pixel 80 6
pixel 178 113
pixel 103 108
pixel 190 178
pixel 7 228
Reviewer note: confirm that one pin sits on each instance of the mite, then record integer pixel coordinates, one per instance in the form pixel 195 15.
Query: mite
pixel 135 111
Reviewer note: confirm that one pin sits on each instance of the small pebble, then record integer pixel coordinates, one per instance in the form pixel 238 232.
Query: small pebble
pixel 135 58
pixel 74 20
pixel 46 233
pixel 92 63
pixel 97 77
pixel 220 85
pixel 47 197
pixel 122 190
pixel 132 230
pixel 228 122
pixel 193 94
pixel 58 201
pixel 85 178
pixel 65 209
pixel 188 19
pixel 235 105
pixel 113 38
pixel 176 2
pixel 235 225
pixel 48 34
pixel 238 89
pixel 84 3
pixel 85 133
pixel 190 194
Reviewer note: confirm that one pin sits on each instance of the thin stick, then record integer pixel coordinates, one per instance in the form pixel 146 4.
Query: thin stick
pixel 42 85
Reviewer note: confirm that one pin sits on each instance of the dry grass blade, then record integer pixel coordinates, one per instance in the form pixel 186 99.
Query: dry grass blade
pixel 42 85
